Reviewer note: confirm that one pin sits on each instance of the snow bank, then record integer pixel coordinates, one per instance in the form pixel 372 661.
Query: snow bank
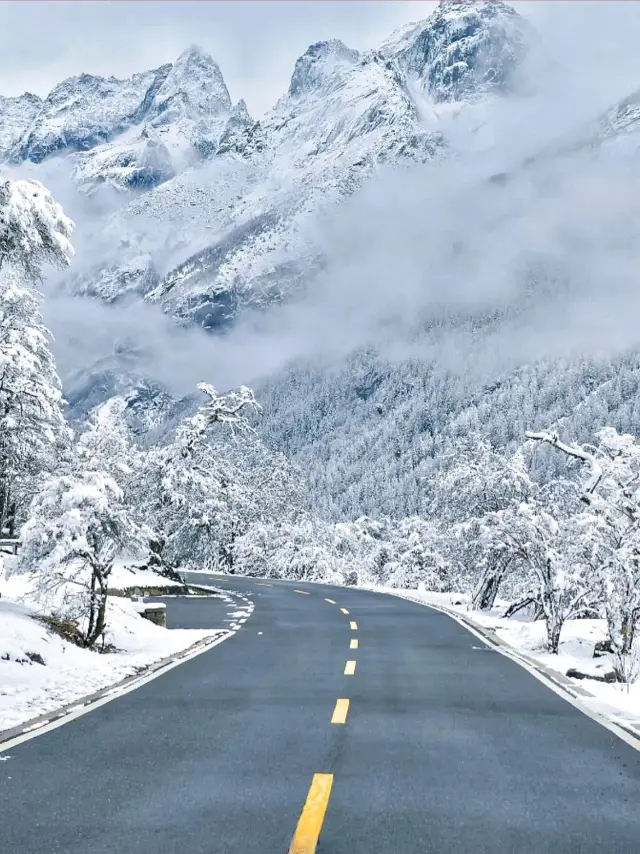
pixel 29 688
pixel 620 703
pixel 124 577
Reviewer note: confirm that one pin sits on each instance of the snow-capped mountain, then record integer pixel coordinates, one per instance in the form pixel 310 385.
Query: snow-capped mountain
pixel 130 134
pixel 465 51
pixel 223 208
pixel 216 212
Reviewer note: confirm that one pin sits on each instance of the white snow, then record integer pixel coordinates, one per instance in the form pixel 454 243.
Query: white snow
pixel 29 689
pixel 123 577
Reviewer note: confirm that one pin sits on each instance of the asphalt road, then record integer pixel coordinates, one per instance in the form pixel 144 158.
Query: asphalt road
pixel 447 746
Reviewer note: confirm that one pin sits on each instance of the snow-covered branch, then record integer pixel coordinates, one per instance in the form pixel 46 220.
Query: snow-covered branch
pixel 34 229
pixel 577 453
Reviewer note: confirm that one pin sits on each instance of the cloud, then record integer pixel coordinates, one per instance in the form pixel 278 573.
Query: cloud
pixel 541 263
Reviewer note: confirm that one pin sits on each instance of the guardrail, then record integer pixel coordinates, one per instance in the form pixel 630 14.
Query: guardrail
pixel 10 545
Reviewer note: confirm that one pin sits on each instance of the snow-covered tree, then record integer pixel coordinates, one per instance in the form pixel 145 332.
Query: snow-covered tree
pixel 549 536
pixel 610 485
pixel 187 494
pixel 34 230
pixel 77 527
pixel 32 425
pixel 475 483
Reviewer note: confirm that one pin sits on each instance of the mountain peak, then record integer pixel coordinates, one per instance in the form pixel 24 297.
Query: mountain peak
pixel 319 64
pixel 194 86
pixel 463 50
pixel 194 52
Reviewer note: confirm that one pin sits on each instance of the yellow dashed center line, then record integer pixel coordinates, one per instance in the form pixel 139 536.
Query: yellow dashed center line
pixel 305 839
pixel 354 643
pixel 262 584
pixel 354 626
pixel 349 668
pixel 344 610
pixel 304 592
pixel 340 712
pixel 331 601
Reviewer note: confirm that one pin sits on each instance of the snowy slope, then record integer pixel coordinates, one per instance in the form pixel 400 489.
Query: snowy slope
pixel 40 672
pixel 16 116
pixel 224 207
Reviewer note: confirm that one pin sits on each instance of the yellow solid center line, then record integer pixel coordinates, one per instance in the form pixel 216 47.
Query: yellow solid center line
pixel 331 601
pixel 344 610
pixel 304 592
pixel 354 626
pixel 310 822
pixel 340 712
pixel 349 668
pixel 354 643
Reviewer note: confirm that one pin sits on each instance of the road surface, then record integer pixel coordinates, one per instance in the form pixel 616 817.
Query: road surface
pixel 446 746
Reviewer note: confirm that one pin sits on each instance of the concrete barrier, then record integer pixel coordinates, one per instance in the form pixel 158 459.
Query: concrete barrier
pixel 155 612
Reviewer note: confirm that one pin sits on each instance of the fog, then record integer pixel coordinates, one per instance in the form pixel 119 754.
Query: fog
pixel 519 245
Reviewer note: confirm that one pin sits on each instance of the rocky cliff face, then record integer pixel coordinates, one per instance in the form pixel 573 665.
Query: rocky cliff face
pixel 224 205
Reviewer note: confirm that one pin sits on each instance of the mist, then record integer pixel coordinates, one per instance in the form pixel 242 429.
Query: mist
pixel 521 244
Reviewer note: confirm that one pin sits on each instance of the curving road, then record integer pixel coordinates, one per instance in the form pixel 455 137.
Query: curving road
pixel 446 746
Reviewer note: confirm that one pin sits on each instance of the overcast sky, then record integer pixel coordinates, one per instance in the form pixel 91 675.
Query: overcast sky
pixel 255 43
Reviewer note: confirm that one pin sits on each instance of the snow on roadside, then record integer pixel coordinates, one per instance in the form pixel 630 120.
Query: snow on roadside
pixel 618 702
pixel 29 689
pixel 124 575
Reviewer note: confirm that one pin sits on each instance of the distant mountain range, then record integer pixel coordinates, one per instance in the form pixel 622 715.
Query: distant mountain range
pixel 213 207
pixel 188 202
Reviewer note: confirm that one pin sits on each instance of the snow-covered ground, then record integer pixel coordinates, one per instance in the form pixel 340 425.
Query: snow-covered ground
pixel 124 576
pixel 29 689
pixel 620 703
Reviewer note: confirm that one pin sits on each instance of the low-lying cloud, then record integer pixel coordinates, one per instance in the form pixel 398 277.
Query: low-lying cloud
pixel 507 250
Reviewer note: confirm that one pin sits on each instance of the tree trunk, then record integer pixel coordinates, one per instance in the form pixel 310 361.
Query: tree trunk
pixel 12 519
pixel 554 627
pixel 92 609
pixel 97 605
pixel 484 596
pixel 98 617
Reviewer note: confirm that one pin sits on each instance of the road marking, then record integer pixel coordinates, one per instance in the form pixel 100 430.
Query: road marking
pixel 349 668
pixel 509 652
pixel 354 643
pixel 262 584
pixel 311 819
pixel 340 712
pixel 304 592
pixel 80 709
pixel 331 601
pixel 344 610
pixel 354 626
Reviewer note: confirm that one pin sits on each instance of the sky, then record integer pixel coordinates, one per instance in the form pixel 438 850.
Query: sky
pixel 256 43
